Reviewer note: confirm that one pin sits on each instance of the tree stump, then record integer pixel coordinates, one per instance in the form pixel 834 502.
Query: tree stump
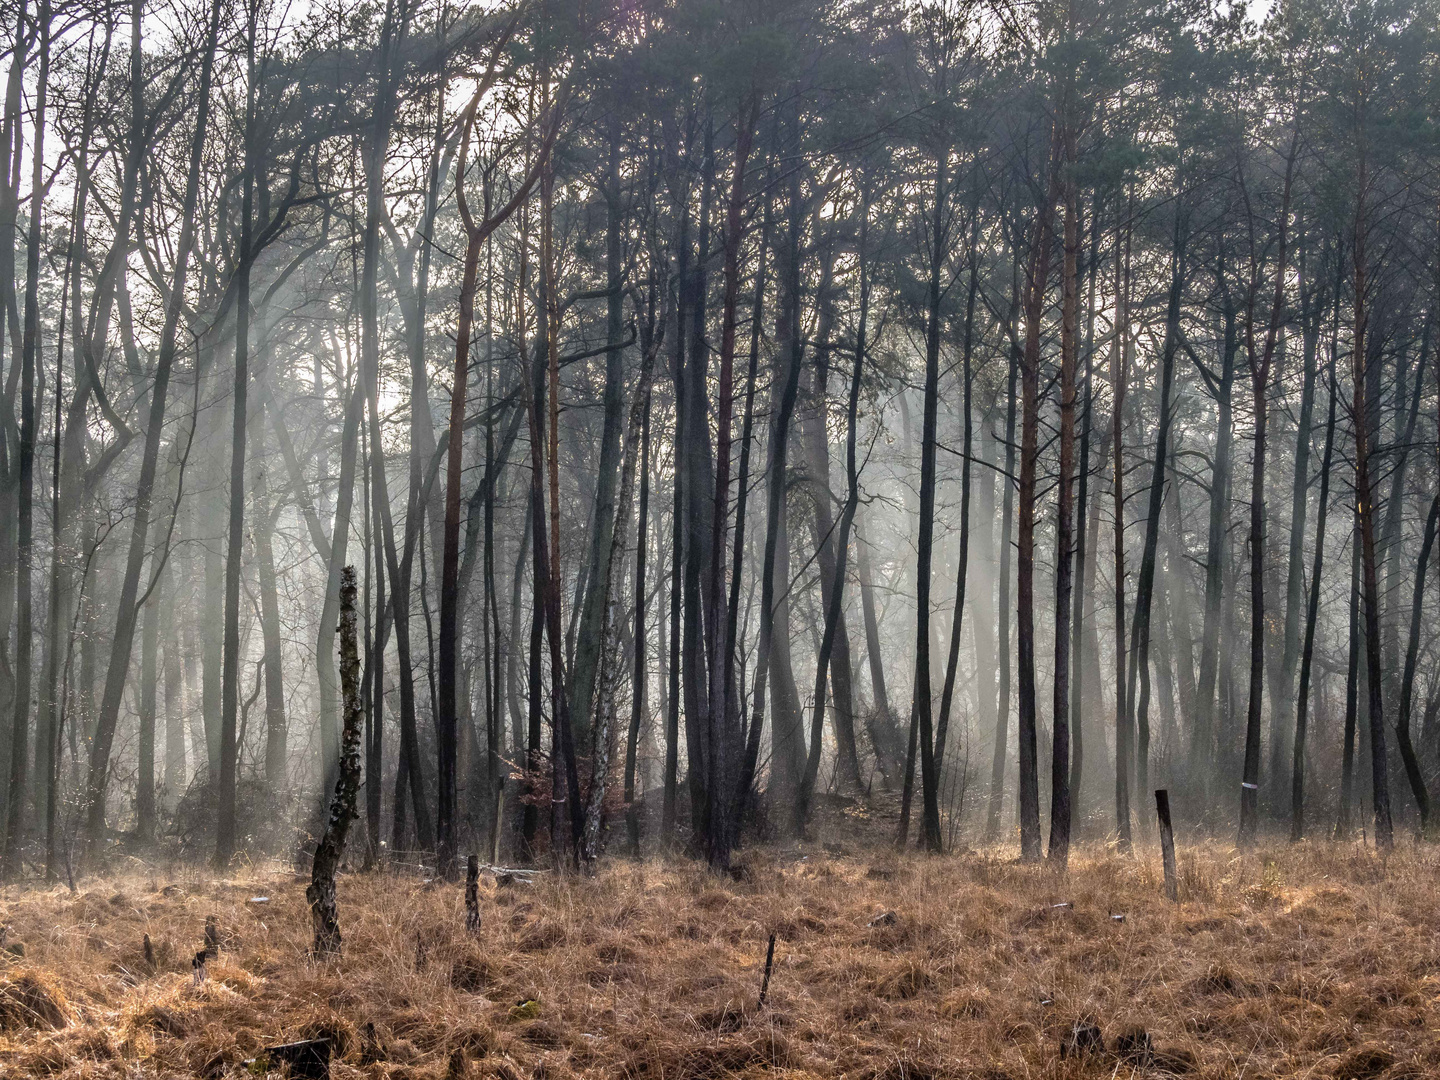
pixel 1167 844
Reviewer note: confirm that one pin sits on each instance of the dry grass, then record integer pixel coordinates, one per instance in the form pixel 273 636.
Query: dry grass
pixel 1314 961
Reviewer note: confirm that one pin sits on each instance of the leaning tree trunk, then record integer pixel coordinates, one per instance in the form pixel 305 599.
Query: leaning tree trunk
pixel 331 849
pixel 1307 652
pixel 962 568
pixel 1413 771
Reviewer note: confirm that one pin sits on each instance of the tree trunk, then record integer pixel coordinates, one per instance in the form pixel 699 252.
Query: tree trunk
pixel 1037 282
pixel 235 538
pixel 127 610
pixel 640 680
pixel 1083 572
pixel 727 739
pixel 834 601
pixel 1307 653
pixel 613 562
pixel 1202 738
pixel 16 825
pixel 1365 512
pixel 1002 711
pixel 1060 794
pixel 772 661
pixel 276 733
pixel 593 617
pixel 1145 586
pixel 1119 379
pixel 1260 366
pixel 962 569
pixel 331 849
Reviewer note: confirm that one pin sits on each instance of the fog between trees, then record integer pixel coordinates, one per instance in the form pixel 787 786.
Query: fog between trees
pixel 990 412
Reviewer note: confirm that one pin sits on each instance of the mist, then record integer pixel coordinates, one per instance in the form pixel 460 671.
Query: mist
pixel 741 421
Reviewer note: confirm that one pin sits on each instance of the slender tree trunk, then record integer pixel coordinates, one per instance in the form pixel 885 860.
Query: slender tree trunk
pixel 610 661
pixel 1260 365
pixel 1282 692
pixel 1343 824
pixel 1307 653
pixel 1119 379
pixel 1202 738
pixel 640 680
pixel 1060 793
pixel 276 733
pixel 17 803
pixel 127 609
pixel 772 662
pixel 1365 513
pixel 1083 572
pixel 235 538
pixel 727 742
pixel 962 569
pixel 592 617
pixel 1413 771
pixel 834 602
pixel 1002 711
pixel 1145 586
pixel 145 771
pixel 929 778
pixel 884 732
pixel 1038 277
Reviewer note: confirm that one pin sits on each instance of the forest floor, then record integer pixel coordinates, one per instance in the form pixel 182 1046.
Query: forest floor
pixel 1304 961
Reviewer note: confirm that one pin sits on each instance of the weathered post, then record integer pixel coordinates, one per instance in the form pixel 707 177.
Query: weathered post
pixel 765 982
pixel 1167 844
pixel 331 848
pixel 472 894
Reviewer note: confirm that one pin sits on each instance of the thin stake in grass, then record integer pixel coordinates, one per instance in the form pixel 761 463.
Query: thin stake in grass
pixel 769 965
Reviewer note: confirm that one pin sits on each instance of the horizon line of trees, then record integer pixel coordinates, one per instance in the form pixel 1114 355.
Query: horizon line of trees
pixel 725 406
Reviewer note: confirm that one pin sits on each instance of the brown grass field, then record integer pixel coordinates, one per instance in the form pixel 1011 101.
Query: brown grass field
pixel 1308 961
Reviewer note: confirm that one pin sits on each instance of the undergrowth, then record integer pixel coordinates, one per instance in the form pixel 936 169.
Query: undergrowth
pixel 1314 961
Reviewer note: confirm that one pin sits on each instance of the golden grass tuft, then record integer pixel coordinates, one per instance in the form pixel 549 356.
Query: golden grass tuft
pixel 28 999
